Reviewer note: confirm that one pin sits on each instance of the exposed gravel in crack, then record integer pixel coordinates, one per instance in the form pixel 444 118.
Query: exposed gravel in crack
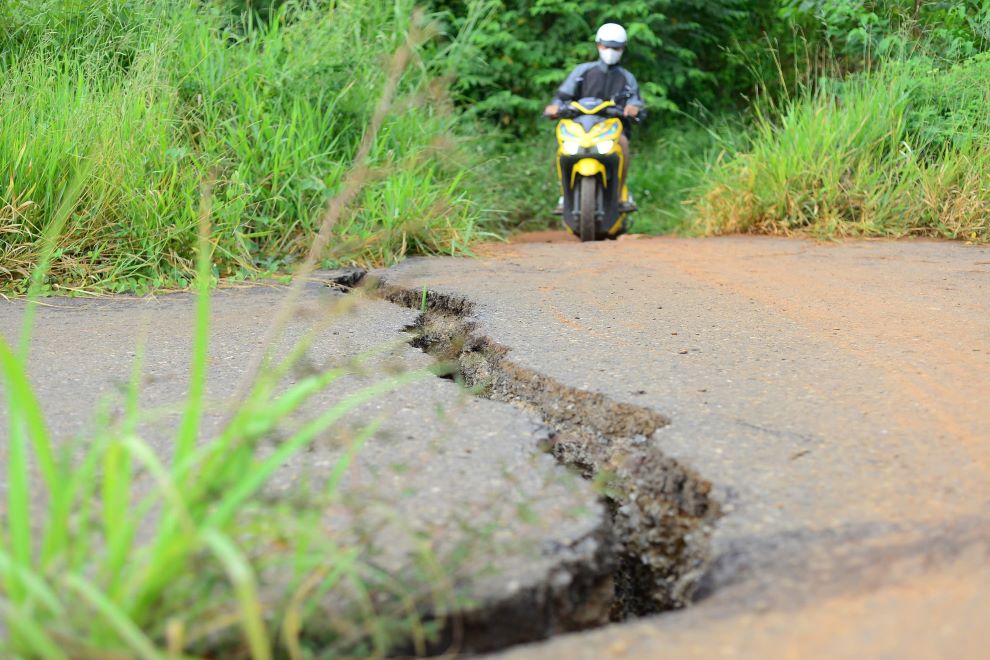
pixel 663 513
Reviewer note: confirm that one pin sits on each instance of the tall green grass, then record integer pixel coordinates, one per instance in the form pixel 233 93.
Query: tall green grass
pixel 176 91
pixel 110 549
pixel 117 551
pixel 669 163
pixel 903 150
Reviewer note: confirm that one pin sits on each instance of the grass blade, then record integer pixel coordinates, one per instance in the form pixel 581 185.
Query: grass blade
pixel 343 464
pixel 24 407
pixel 34 586
pixel 31 634
pixel 18 496
pixel 242 577
pixel 113 616
pixel 317 584
pixel 197 374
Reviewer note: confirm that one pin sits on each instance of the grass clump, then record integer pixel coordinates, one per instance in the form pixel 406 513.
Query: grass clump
pixel 271 105
pixel 901 150
pixel 110 549
pixel 669 165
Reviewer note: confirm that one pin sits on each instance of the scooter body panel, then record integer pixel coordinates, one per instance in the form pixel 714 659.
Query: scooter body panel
pixel 588 146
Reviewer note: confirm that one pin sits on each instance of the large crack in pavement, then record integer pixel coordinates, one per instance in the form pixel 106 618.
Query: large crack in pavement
pixel 663 513
pixel 839 426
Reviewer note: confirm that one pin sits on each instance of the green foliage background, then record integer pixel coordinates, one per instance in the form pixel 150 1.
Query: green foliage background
pixel 859 29
pixel 520 50
pixel 726 80
pixel 685 53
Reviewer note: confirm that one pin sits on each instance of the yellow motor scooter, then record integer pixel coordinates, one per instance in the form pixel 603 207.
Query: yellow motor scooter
pixel 589 163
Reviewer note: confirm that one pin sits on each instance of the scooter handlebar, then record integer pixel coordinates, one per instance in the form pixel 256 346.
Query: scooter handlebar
pixel 613 111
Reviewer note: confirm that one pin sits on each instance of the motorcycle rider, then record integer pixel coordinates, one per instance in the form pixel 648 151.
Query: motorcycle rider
pixel 604 79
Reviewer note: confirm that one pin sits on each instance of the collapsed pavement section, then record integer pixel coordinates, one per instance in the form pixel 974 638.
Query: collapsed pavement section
pixel 661 510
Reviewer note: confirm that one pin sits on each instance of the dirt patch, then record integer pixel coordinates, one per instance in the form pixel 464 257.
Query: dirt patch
pixel 495 248
pixel 548 236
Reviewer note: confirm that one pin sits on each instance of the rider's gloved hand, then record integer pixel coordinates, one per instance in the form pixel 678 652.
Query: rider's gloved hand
pixel 630 111
pixel 551 110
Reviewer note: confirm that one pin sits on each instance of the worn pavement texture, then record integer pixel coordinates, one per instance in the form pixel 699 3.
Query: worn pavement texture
pixel 461 476
pixel 837 396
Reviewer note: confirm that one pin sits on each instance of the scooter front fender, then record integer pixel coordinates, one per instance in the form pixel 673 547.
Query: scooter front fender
pixel 589 167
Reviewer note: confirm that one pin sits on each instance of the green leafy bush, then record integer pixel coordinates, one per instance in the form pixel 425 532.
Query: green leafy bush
pixel 863 29
pixel 518 52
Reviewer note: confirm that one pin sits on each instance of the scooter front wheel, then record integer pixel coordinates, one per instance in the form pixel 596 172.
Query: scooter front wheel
pixel 587 217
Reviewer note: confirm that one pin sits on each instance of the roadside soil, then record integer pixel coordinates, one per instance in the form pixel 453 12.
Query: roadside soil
pixel 837 396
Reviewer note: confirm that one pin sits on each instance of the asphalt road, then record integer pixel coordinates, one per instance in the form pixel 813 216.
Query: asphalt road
pixel 447 474
pixel 837 396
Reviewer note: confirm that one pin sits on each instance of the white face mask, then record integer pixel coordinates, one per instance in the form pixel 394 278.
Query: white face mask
pixel 610 56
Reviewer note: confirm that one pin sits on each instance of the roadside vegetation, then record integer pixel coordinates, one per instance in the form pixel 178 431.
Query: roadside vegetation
pixel 831 117
pixel 150 99
pixel 108 548
pixel 903 150
pixel 269 99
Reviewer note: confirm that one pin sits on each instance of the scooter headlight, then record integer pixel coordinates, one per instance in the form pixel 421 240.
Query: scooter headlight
pixel 605 146
pixel 570 147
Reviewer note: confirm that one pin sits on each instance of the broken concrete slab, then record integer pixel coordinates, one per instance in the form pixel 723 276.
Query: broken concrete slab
pixel 464 475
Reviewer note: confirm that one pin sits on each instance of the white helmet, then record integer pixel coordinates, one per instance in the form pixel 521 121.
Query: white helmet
pixel 611 35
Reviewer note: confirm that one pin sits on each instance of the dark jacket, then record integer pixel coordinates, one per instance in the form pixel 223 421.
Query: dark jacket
pixel 599 80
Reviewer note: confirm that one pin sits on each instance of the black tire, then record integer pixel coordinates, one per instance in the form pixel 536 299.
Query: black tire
pixel 588 199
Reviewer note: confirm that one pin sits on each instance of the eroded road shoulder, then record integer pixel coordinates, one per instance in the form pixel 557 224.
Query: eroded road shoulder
pixel 837 397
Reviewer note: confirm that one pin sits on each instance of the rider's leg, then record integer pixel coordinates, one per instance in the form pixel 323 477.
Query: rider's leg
pixel 624 145
pixel 628 205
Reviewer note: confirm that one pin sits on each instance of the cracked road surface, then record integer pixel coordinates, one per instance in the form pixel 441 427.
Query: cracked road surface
pixel 447 475
pixel 836 395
